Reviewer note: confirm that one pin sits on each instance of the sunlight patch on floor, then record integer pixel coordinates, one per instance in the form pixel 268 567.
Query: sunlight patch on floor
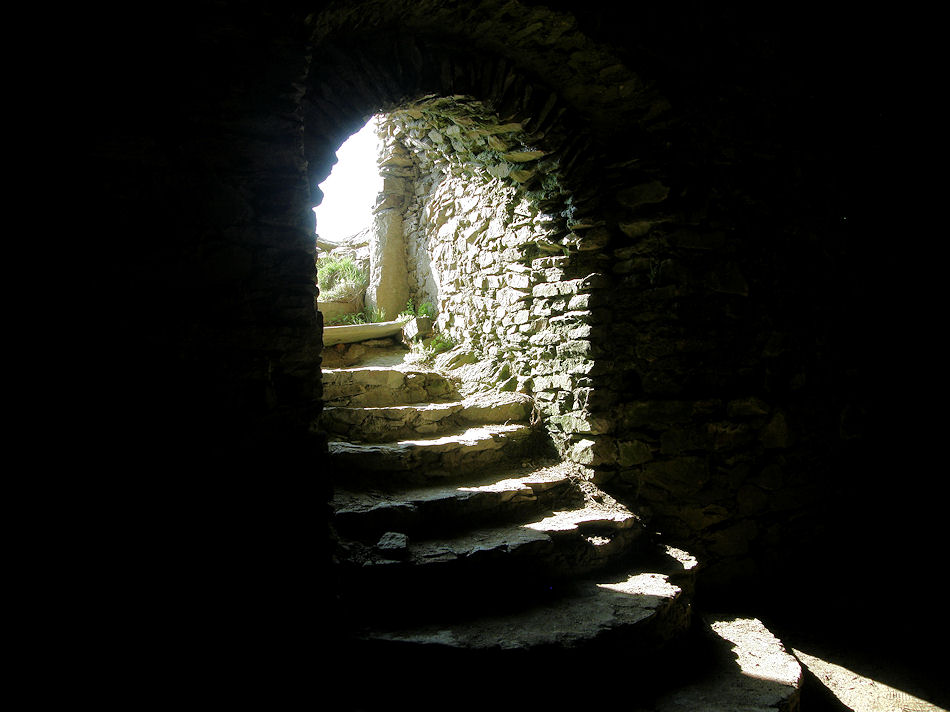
pixel 759 654
pixel 862 694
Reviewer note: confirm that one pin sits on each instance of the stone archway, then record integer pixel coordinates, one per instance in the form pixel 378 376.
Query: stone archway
pixel 509 127
pixel 658 244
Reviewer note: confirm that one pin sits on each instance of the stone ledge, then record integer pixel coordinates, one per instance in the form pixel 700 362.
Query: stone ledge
pixel 353 333
pixel 583 613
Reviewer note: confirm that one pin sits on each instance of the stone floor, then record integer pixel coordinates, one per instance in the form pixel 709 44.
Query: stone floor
pixel 864 659
pixel 382 352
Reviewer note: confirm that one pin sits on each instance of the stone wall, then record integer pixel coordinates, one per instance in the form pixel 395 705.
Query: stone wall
pixel 482 250
pixel 653 359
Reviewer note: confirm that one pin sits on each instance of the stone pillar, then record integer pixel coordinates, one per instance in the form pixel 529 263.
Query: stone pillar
pixel 388 288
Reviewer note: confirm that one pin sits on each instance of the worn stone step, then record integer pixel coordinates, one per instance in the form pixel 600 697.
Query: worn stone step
pixel 560 543
pixel 487 566
pixel 634 612
pixel 514 494
pixel 425 459
pixel 574 615
pixel 627 641
pixel 394 422
pixel 374 386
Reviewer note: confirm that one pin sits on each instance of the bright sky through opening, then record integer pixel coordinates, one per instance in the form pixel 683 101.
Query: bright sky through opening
pixel 351 188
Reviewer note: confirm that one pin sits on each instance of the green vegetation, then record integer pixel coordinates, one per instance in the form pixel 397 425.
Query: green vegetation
pixel 347 319
pixel 367 316
pixel 439 343
pixel 340 279
pixel 425 351
pixel 425 310
pixel 374 315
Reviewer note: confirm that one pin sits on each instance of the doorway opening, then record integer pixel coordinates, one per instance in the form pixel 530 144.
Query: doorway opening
pixel 478 246
pixel 344 228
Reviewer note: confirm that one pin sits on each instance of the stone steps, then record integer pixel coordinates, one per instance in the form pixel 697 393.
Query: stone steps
pixel 383 386
pixel 493 561
pixel 575 613
pixel 570 643
pixel 441 457
pixel 464 546
pixel 396 422
pixel 441 509
pixel 652 663
pixel 390 422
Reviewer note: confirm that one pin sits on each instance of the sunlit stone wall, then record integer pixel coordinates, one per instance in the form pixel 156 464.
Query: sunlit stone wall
pixel 484 253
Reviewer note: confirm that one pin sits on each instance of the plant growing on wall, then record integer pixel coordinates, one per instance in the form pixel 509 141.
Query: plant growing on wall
pixel 426 350
pixel 425 310
pixel 439 343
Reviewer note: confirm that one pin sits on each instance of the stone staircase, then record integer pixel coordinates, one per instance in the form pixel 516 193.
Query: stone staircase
pixel 466 546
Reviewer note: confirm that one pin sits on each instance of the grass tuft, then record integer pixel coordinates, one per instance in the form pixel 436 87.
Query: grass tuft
pixel 340 279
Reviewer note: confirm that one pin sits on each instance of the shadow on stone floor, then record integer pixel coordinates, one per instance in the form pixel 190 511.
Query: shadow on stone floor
pixel 862 646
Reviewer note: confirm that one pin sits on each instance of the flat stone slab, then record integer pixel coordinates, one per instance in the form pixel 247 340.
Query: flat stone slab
pixel 508 541
pixel 376 352
pixel 447 455
pixel 366 514
pixel 378 386
pixel 362 501
pixel 497 407
pixel 542 537
pixel 591 516
pixel 386 423
pixel 557 545
pixel 395 422
pixel 581 613
pixel 353 333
